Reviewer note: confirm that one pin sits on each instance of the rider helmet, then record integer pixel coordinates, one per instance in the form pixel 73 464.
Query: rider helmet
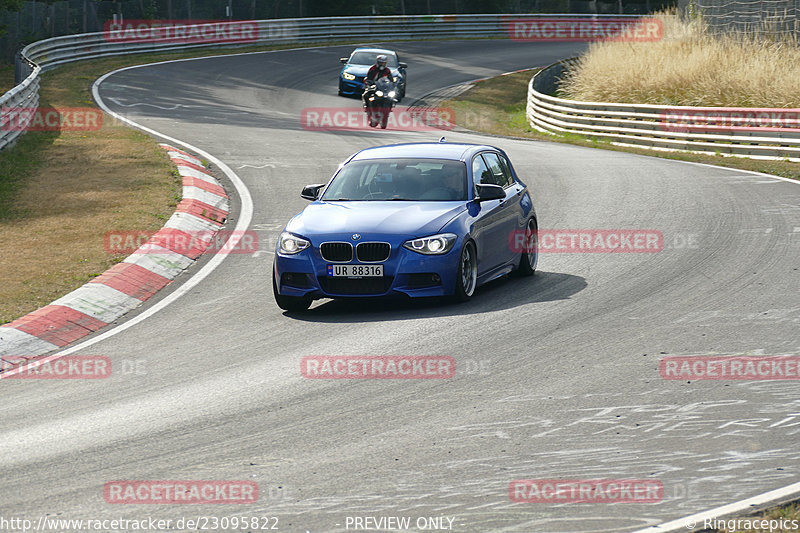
pixel 381 60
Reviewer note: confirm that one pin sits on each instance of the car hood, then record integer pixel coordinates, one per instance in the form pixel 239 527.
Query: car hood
pixel 361 70
pixel 407 219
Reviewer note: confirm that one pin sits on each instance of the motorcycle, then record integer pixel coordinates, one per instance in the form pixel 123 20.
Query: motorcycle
pixel 379 98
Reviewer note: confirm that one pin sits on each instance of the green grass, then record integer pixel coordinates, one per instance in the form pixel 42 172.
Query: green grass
pixel 16 165
pixel 497 106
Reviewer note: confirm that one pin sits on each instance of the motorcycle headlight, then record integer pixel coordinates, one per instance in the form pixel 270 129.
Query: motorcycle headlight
pixel 391 94
pixel 348 76
pixel 289 244
pixel 378 93
pixel 433 245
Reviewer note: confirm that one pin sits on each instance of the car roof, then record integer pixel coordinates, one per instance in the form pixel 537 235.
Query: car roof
pixel 376 51
pixel 440 150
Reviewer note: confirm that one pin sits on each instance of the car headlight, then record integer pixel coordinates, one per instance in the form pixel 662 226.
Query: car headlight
pixel 378 93
pixel 391 94
pixel 348 76
pixel 433 245
pixel 289 244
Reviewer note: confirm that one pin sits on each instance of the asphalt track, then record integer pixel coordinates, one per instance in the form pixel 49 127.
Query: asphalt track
pixel 557 374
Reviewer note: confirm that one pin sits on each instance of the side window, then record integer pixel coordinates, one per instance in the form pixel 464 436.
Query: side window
pixel 480 172
pixel 501 175
pixel 506 169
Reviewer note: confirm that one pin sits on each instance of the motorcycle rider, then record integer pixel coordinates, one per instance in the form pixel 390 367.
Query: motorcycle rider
pixel 375 72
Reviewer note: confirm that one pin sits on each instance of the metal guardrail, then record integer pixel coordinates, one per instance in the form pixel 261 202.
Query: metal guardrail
pixel 43 55
pixel 674 128
pixel 24 95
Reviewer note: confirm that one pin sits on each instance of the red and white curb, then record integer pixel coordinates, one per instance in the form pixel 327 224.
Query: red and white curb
pixel 126 285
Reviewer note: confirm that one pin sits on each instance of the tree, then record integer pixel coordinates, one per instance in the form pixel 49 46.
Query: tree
pixel 9 5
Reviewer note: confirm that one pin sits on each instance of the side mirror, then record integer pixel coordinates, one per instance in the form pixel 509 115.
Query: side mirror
pixel 311 192
pixel 343 60
pixel 403 65
pixel 490 192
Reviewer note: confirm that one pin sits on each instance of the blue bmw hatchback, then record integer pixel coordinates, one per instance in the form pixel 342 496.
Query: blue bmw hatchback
pixel 420 220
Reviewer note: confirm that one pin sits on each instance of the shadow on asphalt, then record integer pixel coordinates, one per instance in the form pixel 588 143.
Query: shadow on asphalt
pixel 505 293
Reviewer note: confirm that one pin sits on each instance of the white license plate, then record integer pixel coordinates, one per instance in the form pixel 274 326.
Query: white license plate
pixel 355 271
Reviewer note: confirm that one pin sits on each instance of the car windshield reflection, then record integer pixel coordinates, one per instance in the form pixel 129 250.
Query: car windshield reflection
pixel 368 58
pixel 410 180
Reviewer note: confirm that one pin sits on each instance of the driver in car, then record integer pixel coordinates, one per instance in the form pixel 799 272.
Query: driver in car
pixel 375 72
pixel 449 187
pixel 454 182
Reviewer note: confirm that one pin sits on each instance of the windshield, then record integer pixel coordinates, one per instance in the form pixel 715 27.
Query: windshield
pixel 384 84
pixel 400 179
pixel 368 58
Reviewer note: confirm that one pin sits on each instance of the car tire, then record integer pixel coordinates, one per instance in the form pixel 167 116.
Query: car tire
pixel 530 254
pixel 467 273
pixel 289 303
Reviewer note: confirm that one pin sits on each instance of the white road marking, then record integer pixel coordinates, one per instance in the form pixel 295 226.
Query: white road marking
pixel 265 165
pixel 165 108
pixel 765 231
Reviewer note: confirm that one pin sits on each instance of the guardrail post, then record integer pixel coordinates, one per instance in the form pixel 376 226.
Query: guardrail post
pixel 19 74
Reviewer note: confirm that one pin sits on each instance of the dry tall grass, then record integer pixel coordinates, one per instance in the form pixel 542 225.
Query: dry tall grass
pixel 689 67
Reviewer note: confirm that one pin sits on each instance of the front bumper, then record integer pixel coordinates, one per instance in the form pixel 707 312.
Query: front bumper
pixel 351 87
pixel 406 273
